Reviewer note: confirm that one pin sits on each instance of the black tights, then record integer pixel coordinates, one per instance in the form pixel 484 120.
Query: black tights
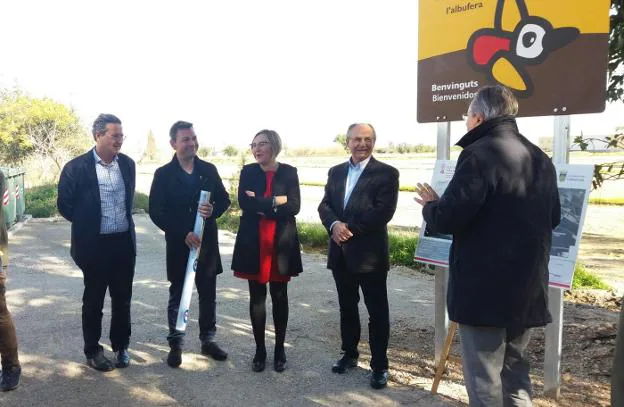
pixel 257 311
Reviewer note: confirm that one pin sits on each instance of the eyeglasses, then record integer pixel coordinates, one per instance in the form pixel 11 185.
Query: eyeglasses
pixel 260 144
pixel 118 137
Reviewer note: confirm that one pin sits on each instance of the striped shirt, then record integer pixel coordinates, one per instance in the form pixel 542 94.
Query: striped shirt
pixel 112 196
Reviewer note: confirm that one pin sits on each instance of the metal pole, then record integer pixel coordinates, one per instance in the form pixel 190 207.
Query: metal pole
pixel 441 273
pixel 554 330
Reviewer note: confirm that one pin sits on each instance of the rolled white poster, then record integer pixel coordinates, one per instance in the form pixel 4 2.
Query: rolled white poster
pixel 191 268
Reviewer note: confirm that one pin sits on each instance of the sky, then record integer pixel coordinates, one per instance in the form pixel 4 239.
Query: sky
pixel 306 69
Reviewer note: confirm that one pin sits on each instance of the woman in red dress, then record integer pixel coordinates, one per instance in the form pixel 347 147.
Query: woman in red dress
pixel 267 246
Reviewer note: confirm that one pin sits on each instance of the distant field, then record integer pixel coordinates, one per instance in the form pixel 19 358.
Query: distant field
pixel 413 167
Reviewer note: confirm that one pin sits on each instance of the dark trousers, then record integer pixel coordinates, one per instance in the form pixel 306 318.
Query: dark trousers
pixel 113 268
pixel 496 369
pixel 376 299
pixel 8 340
pixel 207 290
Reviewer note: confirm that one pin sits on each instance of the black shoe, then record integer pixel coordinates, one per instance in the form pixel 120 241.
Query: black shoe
pixel 379 379
pixel 100 362
pixel 279 363
pixel 213 350
pixel 174 358
pixel 10 378
pixel 122 358
pixel 259 362
pixel 344 363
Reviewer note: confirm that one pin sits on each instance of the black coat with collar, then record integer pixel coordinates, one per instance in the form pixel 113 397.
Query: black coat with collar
pixel 370 207
pixel 173 207
pixel 501 207
pixel 79 202
pixel 246 257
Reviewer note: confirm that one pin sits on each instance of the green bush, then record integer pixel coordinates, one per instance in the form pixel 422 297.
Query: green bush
pixel 230 151
pixel 41 201
pixel 229 221
pixel 141 201
pixel 402 248
pixel 204 151
pixel 585 279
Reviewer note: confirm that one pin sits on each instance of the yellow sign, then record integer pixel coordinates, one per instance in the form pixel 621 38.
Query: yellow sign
pixel 551 53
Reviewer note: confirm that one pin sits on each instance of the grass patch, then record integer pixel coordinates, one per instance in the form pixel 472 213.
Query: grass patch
pixel 313 235
pixel 402 248
pixel 585 279
pixel 41 201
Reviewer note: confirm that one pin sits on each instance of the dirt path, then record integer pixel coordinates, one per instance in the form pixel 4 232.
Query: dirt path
pixel 44 296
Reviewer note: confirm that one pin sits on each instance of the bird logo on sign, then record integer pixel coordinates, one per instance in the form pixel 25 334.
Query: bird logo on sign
pixel 503 54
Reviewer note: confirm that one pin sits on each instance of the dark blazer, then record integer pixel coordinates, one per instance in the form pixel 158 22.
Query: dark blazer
pixel 371 206
pixel 173 207
pixel 501 207
pixel 246 257
pixel 79 202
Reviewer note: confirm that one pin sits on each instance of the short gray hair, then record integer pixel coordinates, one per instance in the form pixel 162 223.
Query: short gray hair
pixel 494 101
pixel 99 125
pixel 274 140
pixel 354 125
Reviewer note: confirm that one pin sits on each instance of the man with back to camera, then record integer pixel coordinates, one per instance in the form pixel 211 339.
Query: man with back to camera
pixel 173 206
pixel 501 207
pixel 360 199
pixel 95 193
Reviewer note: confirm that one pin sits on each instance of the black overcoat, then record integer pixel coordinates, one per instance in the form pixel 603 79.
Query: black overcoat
pixel 246 258
pixel 501 207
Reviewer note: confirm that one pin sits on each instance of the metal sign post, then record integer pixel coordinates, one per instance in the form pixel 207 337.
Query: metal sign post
pixel 441 273
pixel 554 330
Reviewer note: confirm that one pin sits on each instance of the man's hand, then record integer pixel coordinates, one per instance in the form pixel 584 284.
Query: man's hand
pixel 426 193
pixel 341 233
pixel 281 200
pixel 192 240
pixel 205 210
pixel 251 194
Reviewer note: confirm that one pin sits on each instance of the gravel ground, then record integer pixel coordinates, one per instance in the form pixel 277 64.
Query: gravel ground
pixel 44 295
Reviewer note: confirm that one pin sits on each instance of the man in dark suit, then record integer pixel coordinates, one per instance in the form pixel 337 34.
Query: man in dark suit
pixel 360 199
pixel 95 194
pixel 501 207
pixel 173 204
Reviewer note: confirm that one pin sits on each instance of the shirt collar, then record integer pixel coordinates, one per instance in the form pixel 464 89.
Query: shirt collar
pixel 361 165
pixel 99 160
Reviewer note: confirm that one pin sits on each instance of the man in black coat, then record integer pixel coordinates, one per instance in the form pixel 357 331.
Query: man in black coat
pixel 360 199
pixel 95 194
pixel 501 207
pixel 173 204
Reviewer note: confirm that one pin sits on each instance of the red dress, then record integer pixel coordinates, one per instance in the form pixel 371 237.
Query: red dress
pixel 268 265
